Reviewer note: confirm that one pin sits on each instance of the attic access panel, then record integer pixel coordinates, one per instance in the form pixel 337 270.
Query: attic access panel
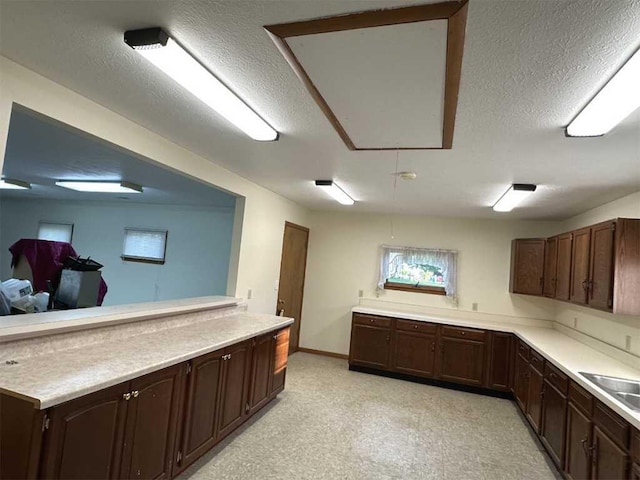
pixel 385 79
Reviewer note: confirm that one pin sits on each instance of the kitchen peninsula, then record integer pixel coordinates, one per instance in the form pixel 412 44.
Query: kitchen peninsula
pixel 134 393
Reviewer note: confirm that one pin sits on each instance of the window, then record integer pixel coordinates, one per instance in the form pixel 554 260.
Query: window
pixel 148 246
pixel 56 232
pixel 423 270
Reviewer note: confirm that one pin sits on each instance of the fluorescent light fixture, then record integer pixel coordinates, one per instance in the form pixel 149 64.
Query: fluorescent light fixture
pixel 615 102
pixel 335 191
pixel 512 197
pixel 159 48
pixel 11 184
pixel 100 187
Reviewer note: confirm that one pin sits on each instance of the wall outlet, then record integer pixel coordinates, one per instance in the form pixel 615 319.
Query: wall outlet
pixel 474 306
pixel 360 293
pixel 627 344
pixel 249 294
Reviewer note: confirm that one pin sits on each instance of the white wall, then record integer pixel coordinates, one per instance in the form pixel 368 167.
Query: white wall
pixel 343 259
pixel 260 246
pixel 611 329
pixel 198 246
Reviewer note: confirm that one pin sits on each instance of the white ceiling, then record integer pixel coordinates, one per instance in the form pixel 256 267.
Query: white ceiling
pixel 370 82
pixel 529 66
pixel 41 151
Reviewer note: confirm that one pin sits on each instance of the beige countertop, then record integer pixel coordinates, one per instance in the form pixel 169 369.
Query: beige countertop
pixel 566 353
pixel 18 327
pixel 50 379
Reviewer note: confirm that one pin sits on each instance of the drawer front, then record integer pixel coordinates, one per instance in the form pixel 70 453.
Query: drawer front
pixel 537 361
pixel 413 326
pixel 371 320
pixel 523 349
pixel 581 398
pixel 468 333
pixel 556 377
pixel 612 424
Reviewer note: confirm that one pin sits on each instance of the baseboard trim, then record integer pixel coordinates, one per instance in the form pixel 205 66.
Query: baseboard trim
pixel 323 353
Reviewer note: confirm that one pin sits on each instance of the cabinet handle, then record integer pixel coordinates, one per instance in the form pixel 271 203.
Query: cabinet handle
pixel 433 346
pixel 462 333
pixel 587 450
pixel 275 337
pixel 126 396
pixel 415 326
pixel 229 357
pixel 371 320
pixel 135 394
pixel 585 285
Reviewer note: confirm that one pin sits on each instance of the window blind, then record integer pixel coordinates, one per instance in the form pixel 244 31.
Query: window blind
pixel 145 245
pixel 56 232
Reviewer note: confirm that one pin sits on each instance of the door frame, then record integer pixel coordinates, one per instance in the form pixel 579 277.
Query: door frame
pixel 304 275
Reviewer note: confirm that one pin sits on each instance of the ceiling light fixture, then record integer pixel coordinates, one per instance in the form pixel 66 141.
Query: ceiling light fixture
pixel 407 175
pixel 612 104
pixel 11 184
pixel 100 187
pixel 512 197
pixel 335 191
pixel 159 48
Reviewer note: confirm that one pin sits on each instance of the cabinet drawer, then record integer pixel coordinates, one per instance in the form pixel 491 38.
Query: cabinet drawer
pixel 414 326
pixel 537 361
pixel 556 378
pixel 615 427
pixel 523 349
pixel 457 332
pixel 371 320
pixel 581 398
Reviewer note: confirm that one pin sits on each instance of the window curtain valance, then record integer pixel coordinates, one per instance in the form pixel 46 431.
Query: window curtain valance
pixel 445 260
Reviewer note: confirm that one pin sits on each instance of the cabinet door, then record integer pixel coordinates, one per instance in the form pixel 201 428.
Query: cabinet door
pixel 236 363
pixel 462 361
pixel 152 424
pixel 578 459
pixel 550 266
pixel 580 266
pixel 563 266
pixel 554 416
pixel 259 388
pixel 370 346
pixel 85 437
pixel 499 377
pixel 534 398
pixel 414 353
pixel 199 432
pixel 609 462
pixel 279 357
pixel 527 265
pixel 521 387
pixel 601 269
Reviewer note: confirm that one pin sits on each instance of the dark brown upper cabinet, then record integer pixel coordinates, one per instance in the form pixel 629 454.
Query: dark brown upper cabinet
pixel 550 267
pixel 527 266
pixel 594 266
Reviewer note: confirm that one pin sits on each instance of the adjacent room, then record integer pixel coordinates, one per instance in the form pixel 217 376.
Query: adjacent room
pixel 348 239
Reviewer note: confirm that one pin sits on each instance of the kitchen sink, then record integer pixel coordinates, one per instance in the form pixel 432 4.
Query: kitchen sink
pixel 625 390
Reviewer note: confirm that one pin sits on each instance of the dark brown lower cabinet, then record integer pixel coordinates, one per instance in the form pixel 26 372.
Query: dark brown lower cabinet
pixel 554 417
pixel 462 360
pixel 414 353
pixel 152 415
pixel 280 355
pixel 261 367
pixel 499 368
pixel 236 362
pixel 534 398
pixel 200 421
pixel 370 343
pixel 579 439
pixel 85 436
pixel 609 461
pixel 521 382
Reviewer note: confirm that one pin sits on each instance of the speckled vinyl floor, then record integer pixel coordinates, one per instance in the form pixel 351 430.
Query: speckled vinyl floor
pixel 330 423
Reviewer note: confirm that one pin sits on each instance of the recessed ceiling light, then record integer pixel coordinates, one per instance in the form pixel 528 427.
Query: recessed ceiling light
pixel 335 191
pixel 159 48
pixel 11 184
pixel 512 197
pixel 100 187
pixel 615 102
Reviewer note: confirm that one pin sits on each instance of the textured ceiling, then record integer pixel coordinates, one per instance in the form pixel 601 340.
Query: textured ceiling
pixel 529 66
pixel 41 151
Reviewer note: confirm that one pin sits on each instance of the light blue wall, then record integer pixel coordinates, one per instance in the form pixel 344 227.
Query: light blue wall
pixel 198 245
